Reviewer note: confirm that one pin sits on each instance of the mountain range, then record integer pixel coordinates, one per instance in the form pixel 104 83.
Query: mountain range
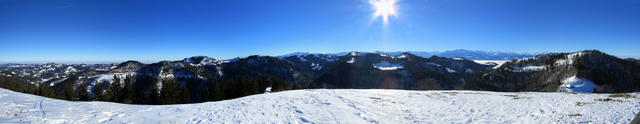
pixel 582 71
pixel 461 53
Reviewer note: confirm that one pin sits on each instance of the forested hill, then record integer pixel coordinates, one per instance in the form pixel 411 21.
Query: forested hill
pixel 201 78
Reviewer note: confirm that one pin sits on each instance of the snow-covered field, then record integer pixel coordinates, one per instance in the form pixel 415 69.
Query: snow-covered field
pixel 338 106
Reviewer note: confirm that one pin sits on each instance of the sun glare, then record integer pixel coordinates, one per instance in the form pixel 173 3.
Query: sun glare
pixel 384 9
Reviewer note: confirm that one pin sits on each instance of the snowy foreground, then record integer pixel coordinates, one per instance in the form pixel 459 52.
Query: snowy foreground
pixel 337 106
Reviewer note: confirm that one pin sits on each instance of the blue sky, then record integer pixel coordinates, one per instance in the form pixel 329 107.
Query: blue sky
pixel 151 30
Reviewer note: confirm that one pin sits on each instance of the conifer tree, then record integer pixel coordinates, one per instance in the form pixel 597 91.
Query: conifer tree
pixel 184 95
pixel 83 94
pixel 217 90
pixel 45 91
pixel 206 95
pixel 67 91
pixel 169 92
pixel 128 90
pixel 97 91
pixel 151 93
pixel 114 90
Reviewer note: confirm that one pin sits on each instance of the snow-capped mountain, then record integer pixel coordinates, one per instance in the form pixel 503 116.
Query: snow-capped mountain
pixel 201 61
pixel 197 67
pixel 267 66
pixel 49 73
pixel 484 55
pixel 584 71
pixel 402 71
pixel 458 53
pixel 565 71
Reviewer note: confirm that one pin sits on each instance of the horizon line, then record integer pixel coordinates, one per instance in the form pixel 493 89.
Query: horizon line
pixel 150 61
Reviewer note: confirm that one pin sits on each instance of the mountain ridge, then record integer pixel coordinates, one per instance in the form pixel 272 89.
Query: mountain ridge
pixel 551 72
pixel 425 54
pixel 468 54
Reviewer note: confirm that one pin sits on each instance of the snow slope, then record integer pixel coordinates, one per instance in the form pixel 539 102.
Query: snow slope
pixel 337 106
pixel 497 63
pixel 575 84
pixel 384 65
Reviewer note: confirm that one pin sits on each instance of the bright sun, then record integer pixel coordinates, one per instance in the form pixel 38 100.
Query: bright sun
pixel 384 9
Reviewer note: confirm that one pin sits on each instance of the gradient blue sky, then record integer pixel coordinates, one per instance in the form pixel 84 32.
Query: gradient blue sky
pixel 151 30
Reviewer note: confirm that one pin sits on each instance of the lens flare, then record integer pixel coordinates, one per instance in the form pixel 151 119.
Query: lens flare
pixel 384 9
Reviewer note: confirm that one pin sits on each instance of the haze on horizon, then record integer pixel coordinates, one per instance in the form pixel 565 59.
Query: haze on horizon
pixel 115 31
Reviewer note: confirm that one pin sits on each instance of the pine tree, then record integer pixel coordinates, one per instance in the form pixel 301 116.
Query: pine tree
pixel 83 94
pixel 140 87
pixel 279 85
pixel 169 92
pixel 67 92
pixel 129 91
pixel 45 91
pixel 114 90
pixel 206 95
pixel 106 91
pixel 184 95
pixel 97 91
pixel 3 84
pixel 217 90
pixel 151 93
pixel 254 87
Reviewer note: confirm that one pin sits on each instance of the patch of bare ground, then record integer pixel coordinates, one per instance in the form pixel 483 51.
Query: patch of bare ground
pixel 583 103
pixel 472 93
pixel 636 120
pixel 575 115
pixel 622 95
pixel 517 97
pixel 608 100
pixel 576 92
pixel 450 93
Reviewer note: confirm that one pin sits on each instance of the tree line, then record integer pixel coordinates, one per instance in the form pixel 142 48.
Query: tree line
pixel 153 90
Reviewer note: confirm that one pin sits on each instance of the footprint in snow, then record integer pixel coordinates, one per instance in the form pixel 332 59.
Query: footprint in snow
pixel 375 98
pixel 304 120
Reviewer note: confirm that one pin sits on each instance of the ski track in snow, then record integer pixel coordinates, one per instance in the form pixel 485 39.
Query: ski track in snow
pixel 336 106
